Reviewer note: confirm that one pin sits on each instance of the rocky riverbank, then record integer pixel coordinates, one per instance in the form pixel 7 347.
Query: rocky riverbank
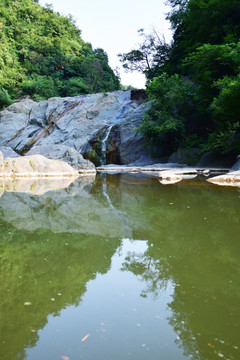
pixel 88 132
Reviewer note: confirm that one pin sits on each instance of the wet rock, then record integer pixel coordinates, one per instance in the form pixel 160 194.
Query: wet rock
pixel 230 179
pixel 65 153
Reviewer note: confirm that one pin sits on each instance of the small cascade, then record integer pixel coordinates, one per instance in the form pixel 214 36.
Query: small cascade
pixel 104 145
pixel 125 101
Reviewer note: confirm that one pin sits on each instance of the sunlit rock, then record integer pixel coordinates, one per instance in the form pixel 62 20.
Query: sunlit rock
pixel 65 153
pixel 230 179
pixel 35 166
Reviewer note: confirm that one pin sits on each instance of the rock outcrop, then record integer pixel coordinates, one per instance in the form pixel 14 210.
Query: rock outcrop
pixel 74 123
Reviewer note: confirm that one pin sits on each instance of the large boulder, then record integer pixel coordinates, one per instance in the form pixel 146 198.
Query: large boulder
pixel 185 156
pixel 212 160
pixel 65 153
pixel 35 166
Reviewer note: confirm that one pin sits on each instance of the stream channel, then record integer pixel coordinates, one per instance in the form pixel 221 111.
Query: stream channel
pixel 121 267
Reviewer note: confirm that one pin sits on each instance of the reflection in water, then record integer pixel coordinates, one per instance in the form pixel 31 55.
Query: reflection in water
pixel 34 186
pixel 63 253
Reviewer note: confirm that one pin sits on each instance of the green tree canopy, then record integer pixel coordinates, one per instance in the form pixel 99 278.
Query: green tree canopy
pixel 39 46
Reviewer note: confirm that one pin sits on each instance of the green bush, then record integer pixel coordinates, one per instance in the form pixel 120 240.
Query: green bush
pixel 5 99
pixel 39 87
pixel 173 103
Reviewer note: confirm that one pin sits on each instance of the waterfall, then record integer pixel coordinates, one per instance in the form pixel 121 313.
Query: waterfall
pixel 104 145
pixel 125 101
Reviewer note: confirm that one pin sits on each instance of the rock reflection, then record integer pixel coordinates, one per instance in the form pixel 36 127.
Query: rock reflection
pixel 74 209
pixel 34 186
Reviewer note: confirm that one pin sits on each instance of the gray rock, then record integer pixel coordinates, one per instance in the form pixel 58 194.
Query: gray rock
pixel 65 153
pixel 214 160
pixel 73 122
pixel 8 152
pixel 235 167
pixel 148 160
pixel 185 156
pixel 132 145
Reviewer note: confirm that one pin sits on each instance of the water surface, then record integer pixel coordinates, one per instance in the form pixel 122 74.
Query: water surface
pixel 121 267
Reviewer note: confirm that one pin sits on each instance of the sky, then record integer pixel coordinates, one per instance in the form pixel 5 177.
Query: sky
pixel 113 25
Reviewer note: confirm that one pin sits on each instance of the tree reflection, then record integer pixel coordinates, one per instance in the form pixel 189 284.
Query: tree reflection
pixel 194 245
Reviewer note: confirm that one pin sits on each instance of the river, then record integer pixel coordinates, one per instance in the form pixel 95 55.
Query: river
pixel 121 267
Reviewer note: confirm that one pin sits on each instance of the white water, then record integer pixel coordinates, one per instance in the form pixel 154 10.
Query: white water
pixel 104 145
pixel 126 100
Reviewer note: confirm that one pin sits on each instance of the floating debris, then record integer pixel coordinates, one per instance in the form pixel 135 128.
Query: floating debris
pixel 85 337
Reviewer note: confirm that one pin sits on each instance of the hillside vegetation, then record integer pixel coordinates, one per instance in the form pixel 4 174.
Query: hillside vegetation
pixel 42 55
pixel 194 82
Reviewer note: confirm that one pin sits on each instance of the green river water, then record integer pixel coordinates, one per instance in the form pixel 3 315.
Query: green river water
pixel 121 267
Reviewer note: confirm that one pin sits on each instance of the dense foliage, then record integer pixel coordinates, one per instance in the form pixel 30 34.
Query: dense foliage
pixel 194 83
pixel 42 54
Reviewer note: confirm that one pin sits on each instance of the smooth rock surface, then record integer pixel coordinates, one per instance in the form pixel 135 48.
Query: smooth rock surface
pixel 230 179
pixel 65 153
pixel 132 144
pixel 8 152
pixel 35 166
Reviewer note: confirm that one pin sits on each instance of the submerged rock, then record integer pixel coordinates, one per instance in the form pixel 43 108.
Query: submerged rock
pixel 230 179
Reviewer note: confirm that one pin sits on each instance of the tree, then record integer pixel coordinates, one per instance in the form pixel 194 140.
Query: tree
pixel 38 46
pixel 150 57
